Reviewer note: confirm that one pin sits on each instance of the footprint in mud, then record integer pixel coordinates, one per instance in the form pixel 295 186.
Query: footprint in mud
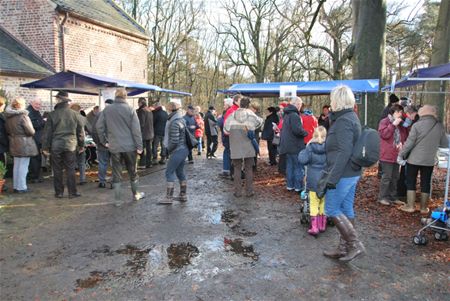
pixel 181 254
pixel 237 246
pixel 231 219
pixel 139 260
pixel 92 281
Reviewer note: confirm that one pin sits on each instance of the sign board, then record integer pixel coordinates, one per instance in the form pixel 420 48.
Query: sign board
pixel 106 93
pixel 288 91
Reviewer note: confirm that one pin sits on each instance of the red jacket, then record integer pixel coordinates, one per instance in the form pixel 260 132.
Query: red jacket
pixel 201 126
pixel 388 151
pixel 309 124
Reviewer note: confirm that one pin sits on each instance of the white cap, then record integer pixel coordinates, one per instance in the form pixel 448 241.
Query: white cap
pixel 176 101
pixel 228 101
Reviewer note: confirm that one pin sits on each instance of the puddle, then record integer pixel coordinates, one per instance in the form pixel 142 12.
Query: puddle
pixel 213 217
pixel 214 245
pixel 239 247
pixel 92 281
pixel 181 254
pixel 139 258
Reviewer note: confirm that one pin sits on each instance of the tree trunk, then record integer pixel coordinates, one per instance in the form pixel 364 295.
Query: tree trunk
pixel 440 55
pixel 369 59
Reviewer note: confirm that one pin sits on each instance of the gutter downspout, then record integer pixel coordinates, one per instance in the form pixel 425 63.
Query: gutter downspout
pixel 61 32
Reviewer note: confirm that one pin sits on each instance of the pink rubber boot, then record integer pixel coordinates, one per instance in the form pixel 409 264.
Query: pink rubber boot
pixel 314 230
pixel 322 223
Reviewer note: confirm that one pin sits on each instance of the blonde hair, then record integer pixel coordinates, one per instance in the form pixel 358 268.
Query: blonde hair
pixel 18 103
pixel 342 98
pixel 319 135
pixel 2 101
pixel 428 110
pixel 76 107
pixel 121 93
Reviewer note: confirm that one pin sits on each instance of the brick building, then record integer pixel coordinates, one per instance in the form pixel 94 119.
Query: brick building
pixel 94 36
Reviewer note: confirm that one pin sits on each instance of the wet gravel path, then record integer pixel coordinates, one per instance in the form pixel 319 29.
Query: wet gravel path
pixel 214 247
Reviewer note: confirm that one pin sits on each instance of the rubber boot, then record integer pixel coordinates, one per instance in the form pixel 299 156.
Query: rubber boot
pixel 341 249
pixel 136 195
pixel 183 192
pixel 322 223
pixel 410 201
pixel 314 230
pixel 117 194
pixel 168 200
pixel 355 247
pixel 424 197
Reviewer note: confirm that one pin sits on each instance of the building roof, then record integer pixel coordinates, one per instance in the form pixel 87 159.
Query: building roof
pixel 15 58
pixel 102 11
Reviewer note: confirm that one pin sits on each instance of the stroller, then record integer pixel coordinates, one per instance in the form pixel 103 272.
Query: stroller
pixel 439 222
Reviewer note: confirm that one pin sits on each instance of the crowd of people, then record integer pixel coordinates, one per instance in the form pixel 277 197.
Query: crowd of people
pixel 314 154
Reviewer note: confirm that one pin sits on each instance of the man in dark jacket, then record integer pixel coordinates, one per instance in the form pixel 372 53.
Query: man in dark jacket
pixel 63 137
pixel 145 117
pixel 211 132
pixel 191 126
pixel 38 125
pixel 324 119
pixel 119 130
pixel 159 124
pixel 4 145
pixel 268 134
pixel 291 143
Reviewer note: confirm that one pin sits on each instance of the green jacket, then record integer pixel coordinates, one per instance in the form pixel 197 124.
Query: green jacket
pixel 63 130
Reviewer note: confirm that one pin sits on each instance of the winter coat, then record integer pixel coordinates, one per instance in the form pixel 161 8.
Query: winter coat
pixel 211 124
pixel 388 150
pixel 267 132
pixel 237 125
pixel 119 127
pixel 324 121
pixel 422 144
pixel 309 123
pixel 38 124
pixel 315 159
pixel 145 117
pixel 344 132
pixel 190 123
pixel 20 133
pixel 63 130
pixel 159 121
pixel 4 140
pixel 94 134
pixel 175 136
pixel 292 133
pixel 200 126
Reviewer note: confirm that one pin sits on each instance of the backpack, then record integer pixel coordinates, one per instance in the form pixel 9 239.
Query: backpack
pixel 366 151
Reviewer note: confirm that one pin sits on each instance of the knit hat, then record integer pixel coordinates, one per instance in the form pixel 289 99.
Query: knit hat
pixel 393 98
pixel 109 101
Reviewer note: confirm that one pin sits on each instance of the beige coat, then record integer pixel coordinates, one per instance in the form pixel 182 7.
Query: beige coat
pixel 20 133
pixel 422 144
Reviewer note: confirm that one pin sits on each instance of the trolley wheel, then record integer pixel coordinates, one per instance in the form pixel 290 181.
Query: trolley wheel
pixel 440 236
pixel 419 240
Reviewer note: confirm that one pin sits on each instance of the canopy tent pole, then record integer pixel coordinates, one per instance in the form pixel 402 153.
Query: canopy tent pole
pixel 51 100
pixel 365 108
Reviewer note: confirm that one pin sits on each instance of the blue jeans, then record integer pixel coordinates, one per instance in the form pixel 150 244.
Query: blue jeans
pixel 226 160
pixel 294 172
pixel 340 200
pixel 81 161
pixel 199 145
pixel 103 161
pixel 175 165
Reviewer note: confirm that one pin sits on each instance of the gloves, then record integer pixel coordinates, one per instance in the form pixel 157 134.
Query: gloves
pixel 322 189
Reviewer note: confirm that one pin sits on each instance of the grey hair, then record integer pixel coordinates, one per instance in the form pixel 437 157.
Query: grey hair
pixel 342 98
pixel 295 100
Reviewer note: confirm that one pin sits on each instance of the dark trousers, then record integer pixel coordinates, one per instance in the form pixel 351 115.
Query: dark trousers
pixel 158 142
pixel 282 164
pixel 401 183
pixel 248 170
pixel 64 161
pixel 129 158
pixel 388 183
pixel 425 177
pixel 35 166
pixel 211 144
pixel 272 150
pixel 146 156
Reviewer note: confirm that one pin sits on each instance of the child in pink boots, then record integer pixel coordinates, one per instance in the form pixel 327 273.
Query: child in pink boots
pixel 313 157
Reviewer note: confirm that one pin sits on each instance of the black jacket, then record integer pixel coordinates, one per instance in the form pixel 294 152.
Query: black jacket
pixel 145 117
pixel 38 124
pixel 292 133
pixel 159 121
pixel 344 132
pixel 4 144
pixel 210 124
pixel 267 132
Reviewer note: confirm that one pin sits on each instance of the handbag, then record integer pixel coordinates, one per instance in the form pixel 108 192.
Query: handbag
pixel 276 140
pixel 191 142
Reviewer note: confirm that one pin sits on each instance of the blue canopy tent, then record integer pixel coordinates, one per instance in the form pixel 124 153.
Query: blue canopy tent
pixel 439 73
pixel 92 84
pixel 358 86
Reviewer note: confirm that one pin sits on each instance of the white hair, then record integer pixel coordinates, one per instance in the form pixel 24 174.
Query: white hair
pixel 342 98
pixel 296 101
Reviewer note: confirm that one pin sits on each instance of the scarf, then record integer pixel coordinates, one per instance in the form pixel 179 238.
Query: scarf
pixel 396 132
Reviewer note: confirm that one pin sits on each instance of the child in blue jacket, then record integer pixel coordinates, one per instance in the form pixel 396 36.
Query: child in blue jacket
pixel 314 158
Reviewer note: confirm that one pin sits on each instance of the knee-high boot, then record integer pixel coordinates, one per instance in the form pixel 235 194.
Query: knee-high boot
pixel 355 247
pixel 340 250
pixel 117 193
pixel 136 195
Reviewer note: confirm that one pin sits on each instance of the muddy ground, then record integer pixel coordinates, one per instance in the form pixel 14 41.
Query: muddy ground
pixel 214 247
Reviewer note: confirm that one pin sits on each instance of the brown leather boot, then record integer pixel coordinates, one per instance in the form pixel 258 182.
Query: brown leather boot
pixel 424 197
pixel 183 192
pixel 355 247
pixel 341 249
pixel 168 200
